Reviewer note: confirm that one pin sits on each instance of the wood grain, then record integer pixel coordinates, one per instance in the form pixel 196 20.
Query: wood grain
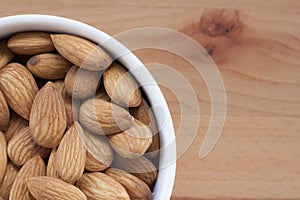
pixel 257 52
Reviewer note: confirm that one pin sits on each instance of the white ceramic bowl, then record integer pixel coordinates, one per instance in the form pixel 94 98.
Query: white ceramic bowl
pixel 19 23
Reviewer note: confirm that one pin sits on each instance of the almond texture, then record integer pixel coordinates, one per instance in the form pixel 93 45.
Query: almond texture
pixel 15 124
pixel 8 179
pixel 121 86
pixel 48 117
pixel 99 186
pixel 6 55
pixel 48 188
pixel 71 155
pixel 34 167
pixel 80 83
pixel 22 148
pixel 3 155
pixel 135 187
pixel 49 66
pixel 133 142
pixel 81 52
pixel 4 114
pixel 19 88
pixel 30 43
pixel 101 117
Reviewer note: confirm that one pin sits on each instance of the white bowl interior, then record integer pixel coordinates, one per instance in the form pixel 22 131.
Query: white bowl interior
pixel 20 23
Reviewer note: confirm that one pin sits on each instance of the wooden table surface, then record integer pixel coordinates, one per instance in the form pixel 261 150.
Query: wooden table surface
pixel 258 154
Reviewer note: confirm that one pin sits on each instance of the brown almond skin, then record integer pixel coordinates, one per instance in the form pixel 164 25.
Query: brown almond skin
pixel 71 155
pixel 15 124
pixel 51 166
pixel 81 52
pixel 3 155
pixel 133 142
pixel 135 187
pixel 49 66
pixel 30 43
pixel 102 94
pixel 144 114
pixel 22 148
pixel 6 55
pixel 101 117
pixel 19 88
pixel 48 117
pixel 140 167
pixel 80 83
pixel 34 167
pixel 99 186
pixel 99 154
pixel 48 188
pixel 121 86
pixel 8 179
pixel 4 114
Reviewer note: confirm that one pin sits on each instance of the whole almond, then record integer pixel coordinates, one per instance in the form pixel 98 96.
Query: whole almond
pixel 145 115
pixel 6 55
pixel 140 167
pixel 15 124
pixel 4 114
pixel 3 155
pixel 71 155
pixel 133 142
pixel 30 43
pixel 101 117
pixel 48 117
pixel 99 186
pixel 135 187
pixel 121 86
pixel 99 154
pixel 81 52
pixel 48 188
pixel 51 166
pixel 49 66
pixel 8 179
pixel 80 83
pixel 22 148
pixel 19 88
pixel 34 167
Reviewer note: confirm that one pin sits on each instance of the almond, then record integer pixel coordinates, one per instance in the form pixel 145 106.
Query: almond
pixel 4 114
pixel 80 83
pixel 29 43
pixel 51 166
pixel 8 179
pixel 19 88
pixel 22 148
pixel 145 115
pixel 72 105
pixel 140 167
pixel 135 187
pixel 101 117
pixel 101 94
pixel 48 117
pixel 99 186
pixel 49 66
pixel 15 124
pixel 6 55
pixel 48 188
pixel 99 154
pixel 71 155
pixel 81 52
pixel 3 155
pixel 121 86
pixel 133 142
pixel 34 167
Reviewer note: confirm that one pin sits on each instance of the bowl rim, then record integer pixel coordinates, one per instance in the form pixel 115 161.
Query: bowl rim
pixel 37 22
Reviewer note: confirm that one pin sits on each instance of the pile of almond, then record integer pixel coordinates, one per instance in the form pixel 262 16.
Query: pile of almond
pixel 74 124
